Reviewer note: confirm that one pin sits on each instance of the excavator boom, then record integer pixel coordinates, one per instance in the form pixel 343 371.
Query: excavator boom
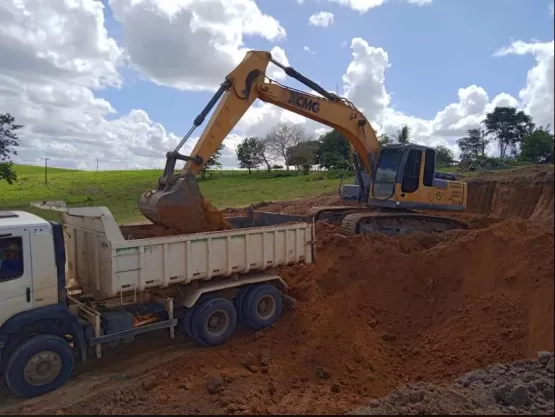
pixel 177 202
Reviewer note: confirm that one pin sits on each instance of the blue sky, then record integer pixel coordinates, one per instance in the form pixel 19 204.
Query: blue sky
pixel 433 50
pixel 431 68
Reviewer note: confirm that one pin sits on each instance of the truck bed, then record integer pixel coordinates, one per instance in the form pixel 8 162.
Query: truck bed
pixel 108 261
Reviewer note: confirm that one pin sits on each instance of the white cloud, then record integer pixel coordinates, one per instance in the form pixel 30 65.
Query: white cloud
pixel 551 10
pixel 363 6
pixel 537 95
pixel 190 44
pixel 365 77
pixel 57 41
pixel 321 19
pixel 308 50
pixel 420 2
pixel 53 55
pixel 273 71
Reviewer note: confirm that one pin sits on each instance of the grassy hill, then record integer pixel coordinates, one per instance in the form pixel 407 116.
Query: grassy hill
pixel 119 190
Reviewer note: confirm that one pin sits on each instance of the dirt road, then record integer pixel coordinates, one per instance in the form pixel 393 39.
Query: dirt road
pixel 373 313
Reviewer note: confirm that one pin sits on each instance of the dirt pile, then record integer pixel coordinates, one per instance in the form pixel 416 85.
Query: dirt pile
pixel 524 388
pixel 373 313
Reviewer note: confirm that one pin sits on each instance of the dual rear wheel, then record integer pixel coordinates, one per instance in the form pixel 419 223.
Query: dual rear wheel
pixel 213 320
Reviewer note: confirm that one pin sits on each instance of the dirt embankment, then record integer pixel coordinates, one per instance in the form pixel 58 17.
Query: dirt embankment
pixel 373 313
pixel 525 193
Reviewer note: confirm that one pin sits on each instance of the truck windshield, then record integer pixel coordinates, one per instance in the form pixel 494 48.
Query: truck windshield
pixel 386 172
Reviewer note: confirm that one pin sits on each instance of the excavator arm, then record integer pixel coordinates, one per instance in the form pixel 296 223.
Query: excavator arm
pixel 177 202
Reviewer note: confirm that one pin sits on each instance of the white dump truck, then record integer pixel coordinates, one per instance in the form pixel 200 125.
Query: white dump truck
pixel 69 287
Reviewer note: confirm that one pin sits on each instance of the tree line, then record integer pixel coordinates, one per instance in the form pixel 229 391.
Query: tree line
pixel 513 130
pixel 292 144
pixel 516 135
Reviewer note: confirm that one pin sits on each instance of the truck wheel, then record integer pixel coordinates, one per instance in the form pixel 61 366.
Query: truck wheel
pixel 41 364
pixel 262 306
pixel 214 321
pixel 184 325
pixel 239 302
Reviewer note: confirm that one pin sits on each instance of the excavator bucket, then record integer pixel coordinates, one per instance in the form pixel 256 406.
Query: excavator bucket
pixel 178 204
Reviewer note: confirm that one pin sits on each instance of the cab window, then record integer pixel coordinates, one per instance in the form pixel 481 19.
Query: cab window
pixel 383 186
pixel 411 175
pixel 429 168
pixel 11 258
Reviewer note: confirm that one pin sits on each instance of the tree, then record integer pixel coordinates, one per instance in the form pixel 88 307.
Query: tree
pixel 474 144
pixel 537 147
pixel 444 156
pixel 403 135
pixel 213 161
pixel 9 141
pixel 265 154
pixel 509 126
pixel 303 154
pixel 332 160
pixel 283 136
pixel 250 153
pixel 384 139
pixel 334 151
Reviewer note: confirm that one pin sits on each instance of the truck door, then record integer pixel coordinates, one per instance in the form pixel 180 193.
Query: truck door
pixel 16 275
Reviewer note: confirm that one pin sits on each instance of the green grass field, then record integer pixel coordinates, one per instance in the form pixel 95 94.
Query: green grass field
pixel 119 190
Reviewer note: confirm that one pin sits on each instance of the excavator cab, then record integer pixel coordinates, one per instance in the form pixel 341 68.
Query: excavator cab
pixel 405 177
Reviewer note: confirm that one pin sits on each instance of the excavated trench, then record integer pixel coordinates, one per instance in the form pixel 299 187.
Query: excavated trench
pixel 525 196
pixel 374 313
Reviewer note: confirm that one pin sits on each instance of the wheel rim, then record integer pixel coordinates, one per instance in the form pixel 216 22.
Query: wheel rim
pixel 266 307
pixel 42 368
pixel 218 322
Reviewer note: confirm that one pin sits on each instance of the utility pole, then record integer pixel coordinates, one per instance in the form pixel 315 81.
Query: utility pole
pixel 96 164
pixel 46 170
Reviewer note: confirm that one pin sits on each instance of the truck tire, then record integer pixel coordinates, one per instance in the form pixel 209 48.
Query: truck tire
pixel 39 365
pixel 214 321
pixel 239 302
pixel 262 306
pixel 184 325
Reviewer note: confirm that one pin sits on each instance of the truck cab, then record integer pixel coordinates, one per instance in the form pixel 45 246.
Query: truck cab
pixel 29 276
pixel 38 334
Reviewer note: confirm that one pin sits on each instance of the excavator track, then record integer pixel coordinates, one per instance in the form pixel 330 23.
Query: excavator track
pixel 335 213
pixel 393 224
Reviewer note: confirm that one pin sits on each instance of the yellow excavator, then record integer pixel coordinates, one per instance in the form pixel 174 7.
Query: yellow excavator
pixel 402 177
